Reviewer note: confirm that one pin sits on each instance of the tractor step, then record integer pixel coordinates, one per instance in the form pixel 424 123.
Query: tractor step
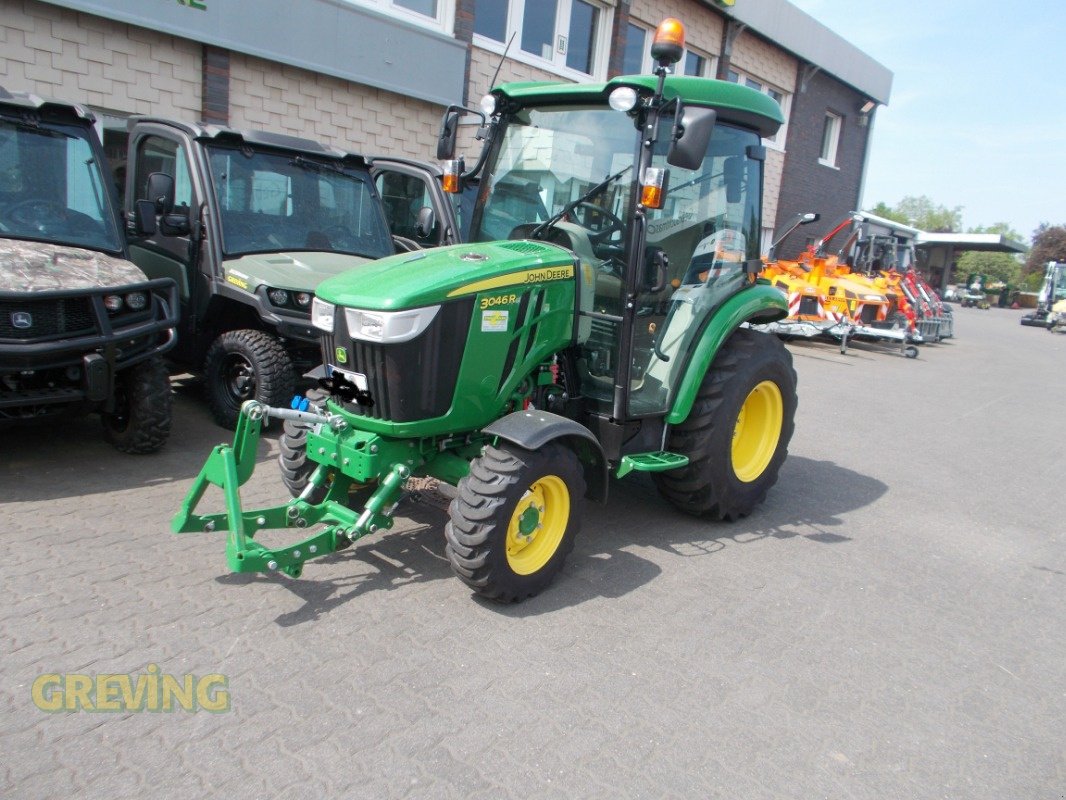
pixel 661 461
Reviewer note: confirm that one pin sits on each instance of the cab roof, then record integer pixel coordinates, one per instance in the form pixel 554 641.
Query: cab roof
pixel 277 141
pixel 733 102
pixel 22 102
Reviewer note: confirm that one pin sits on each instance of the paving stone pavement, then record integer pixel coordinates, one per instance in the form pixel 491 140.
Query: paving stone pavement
pixel 889 624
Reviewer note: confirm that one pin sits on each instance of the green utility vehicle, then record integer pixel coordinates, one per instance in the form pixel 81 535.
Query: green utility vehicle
pixel 605 335
pixel 81 327
pixel 247 223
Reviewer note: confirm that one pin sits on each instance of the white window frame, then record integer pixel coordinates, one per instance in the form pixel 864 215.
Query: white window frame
pixel 834 123
pixel 557 64
pixel 645 59
pixel 710 68
pixel 647 66
pixel 777 141
pixel 444 21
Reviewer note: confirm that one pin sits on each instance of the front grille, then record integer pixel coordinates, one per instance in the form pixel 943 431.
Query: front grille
pixel 407 381
pixel 868 313
pixel 67 316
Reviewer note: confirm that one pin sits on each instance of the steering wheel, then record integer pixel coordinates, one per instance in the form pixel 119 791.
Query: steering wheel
pixel 36 212
pixel 605 232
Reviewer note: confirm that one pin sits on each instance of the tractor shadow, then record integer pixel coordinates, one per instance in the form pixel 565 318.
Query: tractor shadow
pixel 606 561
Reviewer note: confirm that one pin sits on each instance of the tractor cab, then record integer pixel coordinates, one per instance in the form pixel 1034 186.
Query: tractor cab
pixel 655 184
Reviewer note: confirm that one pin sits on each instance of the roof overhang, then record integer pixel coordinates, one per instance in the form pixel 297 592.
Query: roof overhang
pixel 961 242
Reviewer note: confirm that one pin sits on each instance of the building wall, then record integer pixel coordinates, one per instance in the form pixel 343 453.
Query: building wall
pixel 58 53
pixel 266 95
pixel 763 60
pixel 703 27
pixel 808 185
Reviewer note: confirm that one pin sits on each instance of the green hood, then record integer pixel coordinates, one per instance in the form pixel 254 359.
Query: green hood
pixel 300 271
pixel 426 277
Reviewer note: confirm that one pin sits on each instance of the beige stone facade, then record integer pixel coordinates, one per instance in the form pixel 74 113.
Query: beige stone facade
pixel 269 96
pixel 86 59
pixel 703 28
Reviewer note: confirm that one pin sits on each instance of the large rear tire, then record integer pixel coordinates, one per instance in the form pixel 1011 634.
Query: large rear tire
pixel 514 520
pixel 140 423
pixel 737 435
pixel 246 365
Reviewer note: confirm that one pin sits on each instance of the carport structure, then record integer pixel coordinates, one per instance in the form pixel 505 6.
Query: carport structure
pixel 940 250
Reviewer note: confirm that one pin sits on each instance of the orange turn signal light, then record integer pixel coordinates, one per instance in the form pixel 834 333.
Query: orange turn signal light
pixel 653 187
pixel 450 178
pixel 668 44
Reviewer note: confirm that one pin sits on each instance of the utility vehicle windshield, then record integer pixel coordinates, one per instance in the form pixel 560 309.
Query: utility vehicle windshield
pixel 275 202
pixel 52 188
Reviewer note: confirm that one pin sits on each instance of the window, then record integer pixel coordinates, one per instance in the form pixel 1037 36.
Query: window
pixel 635 58
pixel 433 13
pixel 830 139
pixel 696 64
pixel 567 36
pixel 167 156
pixel 778 140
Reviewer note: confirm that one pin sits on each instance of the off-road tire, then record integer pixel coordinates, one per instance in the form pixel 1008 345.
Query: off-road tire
pixel 295 467
pixel 477 532
pixel 709 485
pixel 140 422
pixel 268 367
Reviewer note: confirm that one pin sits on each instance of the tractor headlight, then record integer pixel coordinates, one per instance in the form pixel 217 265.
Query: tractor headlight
pixel 303 299
pixel 623 98
pixel 137 301
pixel 488 104
pixel 388 327
pixel 278 297
pixel 322 315
pixel 113 302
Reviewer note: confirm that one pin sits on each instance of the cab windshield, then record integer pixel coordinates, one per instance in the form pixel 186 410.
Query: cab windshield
pixel 52 188
pixel 549 157
pixel 275 202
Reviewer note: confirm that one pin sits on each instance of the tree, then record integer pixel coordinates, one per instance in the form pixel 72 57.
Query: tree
pixel 882 209
pixel 1049 244
pixel 1006 267
pixel 922 213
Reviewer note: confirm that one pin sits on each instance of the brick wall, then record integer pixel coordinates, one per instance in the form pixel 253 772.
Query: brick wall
pixel 808 185
pixel 269 96
pixel 58 53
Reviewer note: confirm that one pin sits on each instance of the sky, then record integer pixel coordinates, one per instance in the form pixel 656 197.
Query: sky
pixel 977 114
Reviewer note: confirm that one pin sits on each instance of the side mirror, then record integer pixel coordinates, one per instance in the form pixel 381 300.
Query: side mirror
pixel 693 127
pixel 449 131
pixel 733 169
pixel 159 190
pixel 144 218
pixel 426 222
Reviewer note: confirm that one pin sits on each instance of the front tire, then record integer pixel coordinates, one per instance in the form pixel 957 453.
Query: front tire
pixel 246 365
pixel 514 520
pixel 296 467
pixel 140 423
pixel 737 435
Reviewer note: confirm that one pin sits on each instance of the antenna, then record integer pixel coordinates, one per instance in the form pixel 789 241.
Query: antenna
pixel 503 58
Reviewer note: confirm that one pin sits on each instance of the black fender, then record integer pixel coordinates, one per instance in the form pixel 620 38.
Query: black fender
pixel 533 429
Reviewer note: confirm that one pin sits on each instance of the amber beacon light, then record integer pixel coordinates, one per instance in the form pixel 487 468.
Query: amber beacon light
pixel 669 43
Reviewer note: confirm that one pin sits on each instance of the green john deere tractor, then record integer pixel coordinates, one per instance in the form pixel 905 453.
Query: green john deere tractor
pixel 605 335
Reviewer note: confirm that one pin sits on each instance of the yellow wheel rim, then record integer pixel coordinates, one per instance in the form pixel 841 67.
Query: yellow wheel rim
pixel 757 431
pixel 537 525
